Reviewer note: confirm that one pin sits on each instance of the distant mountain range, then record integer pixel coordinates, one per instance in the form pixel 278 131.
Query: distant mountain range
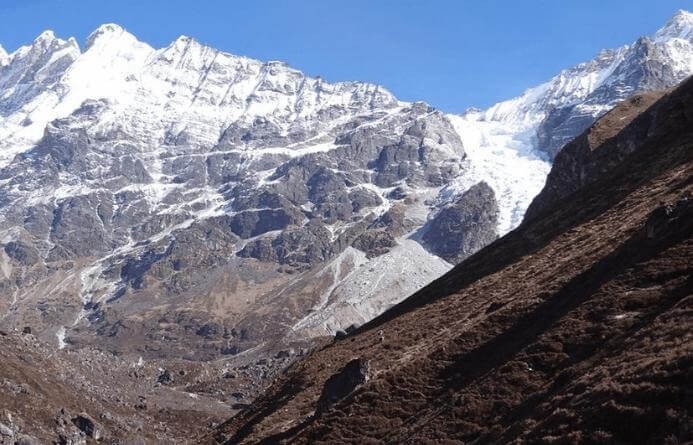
pixel 188 201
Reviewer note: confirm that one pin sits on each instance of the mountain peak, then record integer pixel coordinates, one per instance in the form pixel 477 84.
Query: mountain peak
pixel 46 36
pixel 45 43
pixel 184 39
pixel 44 40
pixel 186 43
pixel 183 42
pixel 682 16
pixel 679 26
pixel 72 41
pixel 107 31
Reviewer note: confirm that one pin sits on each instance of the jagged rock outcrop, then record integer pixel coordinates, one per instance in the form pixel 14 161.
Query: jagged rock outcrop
pixel 299 247
pixel 88 425
pixel 465 226
pixel 341 384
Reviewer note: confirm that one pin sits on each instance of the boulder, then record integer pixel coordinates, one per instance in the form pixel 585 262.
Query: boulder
pixel 461 229
pixel 343 383
pixel 165 377
pixel 88 425
pixel 6 430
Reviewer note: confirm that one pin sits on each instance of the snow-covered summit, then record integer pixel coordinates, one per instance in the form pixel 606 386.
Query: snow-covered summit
pixel 680 26
pixel 509 141
pixel 106 32
pixel 184 79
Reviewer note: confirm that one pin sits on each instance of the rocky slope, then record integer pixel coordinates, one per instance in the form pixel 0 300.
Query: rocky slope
pixel 191 202
pixel 574 328
pixel 149 194
pixel 597 150
pixel 86 395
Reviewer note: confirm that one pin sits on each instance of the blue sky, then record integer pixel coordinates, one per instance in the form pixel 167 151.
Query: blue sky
pixel 451 54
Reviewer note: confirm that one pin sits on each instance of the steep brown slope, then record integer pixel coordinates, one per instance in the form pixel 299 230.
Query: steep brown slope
pixel 576 327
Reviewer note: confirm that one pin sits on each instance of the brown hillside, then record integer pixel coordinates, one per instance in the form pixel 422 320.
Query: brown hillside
pixel 574 328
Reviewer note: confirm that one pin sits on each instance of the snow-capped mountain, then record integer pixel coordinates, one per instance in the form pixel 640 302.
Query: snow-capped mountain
pixel 186 193
pixel 547 116
pixel 178 180
pixel 508 143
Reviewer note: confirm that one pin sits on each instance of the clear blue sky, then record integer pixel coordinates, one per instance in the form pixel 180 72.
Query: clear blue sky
pixel 450 53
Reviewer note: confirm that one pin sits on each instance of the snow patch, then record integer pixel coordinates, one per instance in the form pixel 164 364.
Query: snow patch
pixel 61 337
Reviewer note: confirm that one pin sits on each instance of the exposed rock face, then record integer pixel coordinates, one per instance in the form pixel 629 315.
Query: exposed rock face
pixel 572 328
pixel 86 424
pixel 375 242
pixel 252 223
pixel 21 253
pixel 465 226
pixel 119 209
pixel 297 247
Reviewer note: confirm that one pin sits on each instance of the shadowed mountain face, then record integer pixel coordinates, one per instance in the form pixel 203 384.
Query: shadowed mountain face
pixel 574 327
